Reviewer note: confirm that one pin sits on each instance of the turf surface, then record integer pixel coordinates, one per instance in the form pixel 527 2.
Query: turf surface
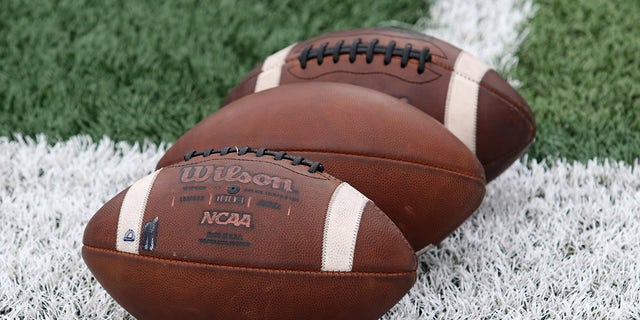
pixel 150 70
pixel 580 70
pixel 137 70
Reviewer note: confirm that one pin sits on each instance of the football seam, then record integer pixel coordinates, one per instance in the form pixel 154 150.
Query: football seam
pixel 353 274
pixel 517 108
pixel 530 132
pixel 395 33
pixel 521 110
pixel 367 73
pixel 470 176
pixel 386 218
pixel 506 156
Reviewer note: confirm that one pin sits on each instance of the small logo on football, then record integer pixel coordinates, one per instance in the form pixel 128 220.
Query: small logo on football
pixel 200 173
pixel 149 235
pixel 129 236
pixel 226 218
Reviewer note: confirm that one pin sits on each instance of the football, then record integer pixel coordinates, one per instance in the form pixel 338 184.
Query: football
pixel 460 91
pixel 410 165
pixel 242 233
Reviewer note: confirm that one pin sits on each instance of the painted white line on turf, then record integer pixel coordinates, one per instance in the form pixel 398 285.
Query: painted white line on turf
pixel 490 30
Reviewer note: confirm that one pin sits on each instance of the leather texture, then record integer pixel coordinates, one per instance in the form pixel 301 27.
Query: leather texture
pixel 260 259
pixel 153 288
pixel 402 159
pixel 505 123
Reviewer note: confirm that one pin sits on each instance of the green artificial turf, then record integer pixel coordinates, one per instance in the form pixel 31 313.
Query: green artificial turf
pixel 580 69
pixel 136 70
pixel 150 69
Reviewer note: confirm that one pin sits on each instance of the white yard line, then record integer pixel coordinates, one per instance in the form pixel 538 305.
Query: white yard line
pixel 557 240
pixel 491 30
pixel 47 195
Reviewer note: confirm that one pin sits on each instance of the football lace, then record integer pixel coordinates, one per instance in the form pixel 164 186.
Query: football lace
pixel 358 47
pixel 259 152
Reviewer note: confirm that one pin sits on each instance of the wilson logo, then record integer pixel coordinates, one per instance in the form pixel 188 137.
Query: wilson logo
pixel 234 174
pixel 225 218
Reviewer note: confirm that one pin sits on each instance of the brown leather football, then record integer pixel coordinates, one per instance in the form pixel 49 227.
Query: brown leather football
pixel 241 233
pixel 461 92
pixel 410 165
